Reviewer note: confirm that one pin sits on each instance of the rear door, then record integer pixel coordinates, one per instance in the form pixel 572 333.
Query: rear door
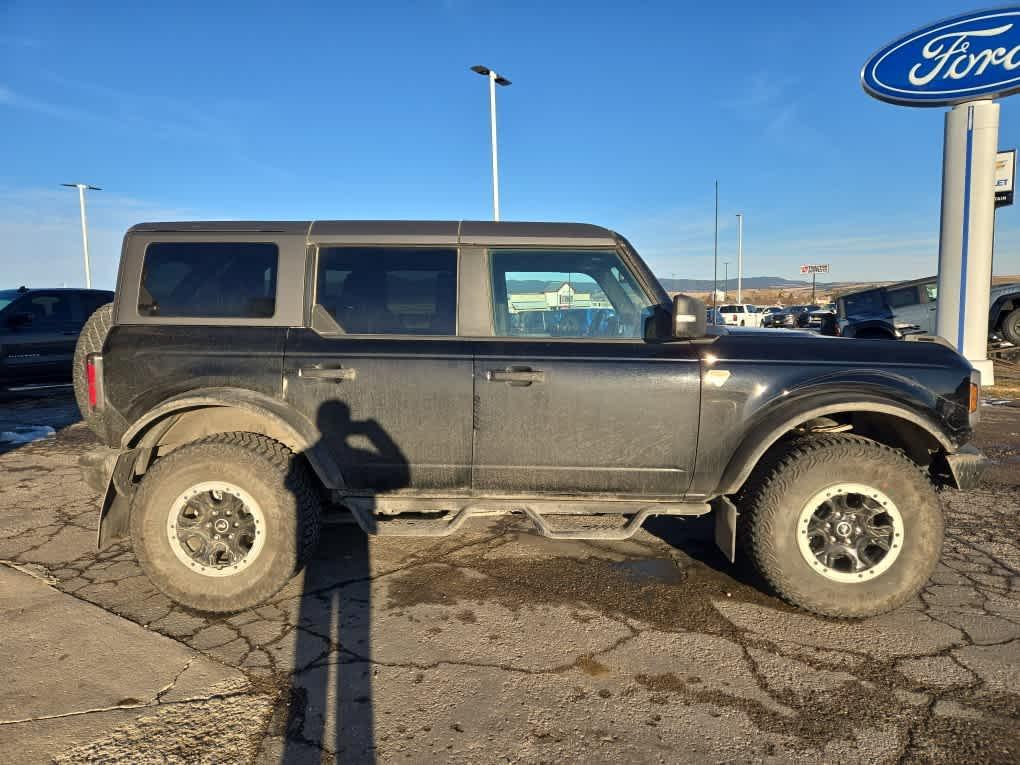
pixel 37 337
pixel 569 396
pixel 381 370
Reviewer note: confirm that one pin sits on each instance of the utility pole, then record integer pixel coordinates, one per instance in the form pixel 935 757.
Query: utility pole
pixel 494 80
pixel 82 188
pixel 740 257
pixel 715 251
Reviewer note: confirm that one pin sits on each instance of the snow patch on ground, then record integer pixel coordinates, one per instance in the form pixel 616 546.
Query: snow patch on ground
pixel 24 434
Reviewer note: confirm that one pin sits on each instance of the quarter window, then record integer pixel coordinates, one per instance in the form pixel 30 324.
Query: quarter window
pixel 385 291
pixel 566 293
pixel 209 280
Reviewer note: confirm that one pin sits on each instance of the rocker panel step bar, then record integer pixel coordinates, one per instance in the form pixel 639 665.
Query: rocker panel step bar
pixel 451 521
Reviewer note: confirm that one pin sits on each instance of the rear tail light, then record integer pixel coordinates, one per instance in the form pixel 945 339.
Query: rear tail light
pixel 94 378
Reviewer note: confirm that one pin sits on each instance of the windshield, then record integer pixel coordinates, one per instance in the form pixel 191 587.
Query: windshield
pixel 7 297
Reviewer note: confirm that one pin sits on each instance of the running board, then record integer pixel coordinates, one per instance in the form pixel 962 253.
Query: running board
pixel 449 522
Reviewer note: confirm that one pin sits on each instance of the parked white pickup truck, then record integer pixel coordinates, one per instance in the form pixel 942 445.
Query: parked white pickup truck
pixel 741 315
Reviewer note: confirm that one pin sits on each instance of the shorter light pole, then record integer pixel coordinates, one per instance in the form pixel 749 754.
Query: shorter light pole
pixel 740 257
pixel 726 275
pixel 494 80
pixel 82 188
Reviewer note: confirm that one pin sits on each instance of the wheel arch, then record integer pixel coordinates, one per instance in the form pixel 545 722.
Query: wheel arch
pixel 888 423
pixel 202 413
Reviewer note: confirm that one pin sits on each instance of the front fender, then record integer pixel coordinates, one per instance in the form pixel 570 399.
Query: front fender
pixel 740 425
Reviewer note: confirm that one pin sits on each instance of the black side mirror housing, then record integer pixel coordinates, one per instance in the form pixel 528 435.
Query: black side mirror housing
pixel 689 318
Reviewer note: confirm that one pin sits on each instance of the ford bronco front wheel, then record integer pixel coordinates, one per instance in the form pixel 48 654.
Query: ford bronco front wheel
pixel 222 524
pixel 843 526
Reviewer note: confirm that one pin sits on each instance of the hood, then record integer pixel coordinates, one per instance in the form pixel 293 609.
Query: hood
pixel 791 345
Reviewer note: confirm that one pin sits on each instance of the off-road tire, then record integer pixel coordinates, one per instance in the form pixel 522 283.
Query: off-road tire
pixel 91 340
pixel 771 503
pixel 275 477
pixel 1011 326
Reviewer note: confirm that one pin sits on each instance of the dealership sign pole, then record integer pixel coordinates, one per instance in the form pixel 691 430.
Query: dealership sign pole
pixel 814 270
pixel 963 62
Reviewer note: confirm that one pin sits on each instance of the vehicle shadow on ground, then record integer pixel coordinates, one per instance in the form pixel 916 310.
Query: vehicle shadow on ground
pixel 331 699
pixel 694 538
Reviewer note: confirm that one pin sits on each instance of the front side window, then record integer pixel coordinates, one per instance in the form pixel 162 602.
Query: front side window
pixel 45 309
pixel 389 291
pixel 566 293
pixel 209 280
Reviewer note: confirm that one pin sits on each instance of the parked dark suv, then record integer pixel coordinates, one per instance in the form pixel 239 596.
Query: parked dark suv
pixel 420 373
pixel 38 332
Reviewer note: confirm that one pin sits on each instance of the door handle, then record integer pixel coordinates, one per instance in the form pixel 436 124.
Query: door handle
pixel 337 374
pixel 516 375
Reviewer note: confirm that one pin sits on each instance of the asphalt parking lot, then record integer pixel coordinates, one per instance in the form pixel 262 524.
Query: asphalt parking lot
pixel 495 645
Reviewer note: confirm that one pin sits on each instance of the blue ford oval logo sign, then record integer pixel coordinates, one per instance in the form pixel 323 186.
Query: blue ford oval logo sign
pixel 960 59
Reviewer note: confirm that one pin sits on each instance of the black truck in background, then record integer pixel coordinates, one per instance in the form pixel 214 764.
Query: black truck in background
pixel 38 332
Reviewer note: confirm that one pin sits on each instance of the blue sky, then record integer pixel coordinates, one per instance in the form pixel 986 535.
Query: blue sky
pixel 619 114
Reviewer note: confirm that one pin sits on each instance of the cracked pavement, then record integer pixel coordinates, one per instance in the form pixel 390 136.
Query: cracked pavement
pixel 499 645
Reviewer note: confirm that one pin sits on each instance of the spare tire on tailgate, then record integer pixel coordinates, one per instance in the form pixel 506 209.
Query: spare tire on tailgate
pixel 91 340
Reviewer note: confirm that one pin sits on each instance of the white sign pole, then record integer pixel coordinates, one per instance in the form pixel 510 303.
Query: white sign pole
pixel 968 220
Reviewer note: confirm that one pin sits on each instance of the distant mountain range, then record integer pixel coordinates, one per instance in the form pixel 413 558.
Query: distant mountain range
pixel 750 283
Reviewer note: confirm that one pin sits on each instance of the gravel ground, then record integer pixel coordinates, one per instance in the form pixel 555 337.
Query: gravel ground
pixel 498 645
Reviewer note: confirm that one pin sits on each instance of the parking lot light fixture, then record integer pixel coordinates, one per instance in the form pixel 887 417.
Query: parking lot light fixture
pixel 82 188
pixel 494 80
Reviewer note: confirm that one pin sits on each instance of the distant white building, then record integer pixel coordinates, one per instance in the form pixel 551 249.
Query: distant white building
pixel 565 296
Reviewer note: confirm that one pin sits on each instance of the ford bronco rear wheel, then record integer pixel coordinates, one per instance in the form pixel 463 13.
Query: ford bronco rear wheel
pixel 222 524
pixel 843 526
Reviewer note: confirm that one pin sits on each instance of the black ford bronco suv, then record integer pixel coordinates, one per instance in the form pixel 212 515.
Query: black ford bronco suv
pixel 418 373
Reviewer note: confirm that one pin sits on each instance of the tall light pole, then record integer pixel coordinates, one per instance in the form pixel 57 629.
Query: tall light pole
pixel 494 80
pixel 715 251
pixel 82 188
pixel 740 257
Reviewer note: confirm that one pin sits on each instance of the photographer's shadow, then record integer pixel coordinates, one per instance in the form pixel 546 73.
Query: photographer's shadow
pixel 331 700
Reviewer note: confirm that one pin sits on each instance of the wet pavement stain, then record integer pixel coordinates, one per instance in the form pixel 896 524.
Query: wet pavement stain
pixel 656 591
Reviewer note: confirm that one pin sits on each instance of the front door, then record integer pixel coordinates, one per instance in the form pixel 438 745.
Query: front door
pixel 38 333
pixel 381 371
pixel 570 397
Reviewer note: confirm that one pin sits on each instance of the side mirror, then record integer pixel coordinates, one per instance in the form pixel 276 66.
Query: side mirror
pixel 689 319
pixel 21 319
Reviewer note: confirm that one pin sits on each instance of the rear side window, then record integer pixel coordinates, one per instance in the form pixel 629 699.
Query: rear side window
pixel 209 280
pixel 903 297
pixel 865 302
pixel 389 291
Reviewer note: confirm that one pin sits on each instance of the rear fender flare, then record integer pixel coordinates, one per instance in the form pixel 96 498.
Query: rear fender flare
pixel 251 411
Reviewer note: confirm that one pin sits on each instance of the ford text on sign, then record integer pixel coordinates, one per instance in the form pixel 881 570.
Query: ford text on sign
pixel 956 60
pixel 822 268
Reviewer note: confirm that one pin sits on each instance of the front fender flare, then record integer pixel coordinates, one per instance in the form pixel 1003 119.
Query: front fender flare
pixel 759 439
